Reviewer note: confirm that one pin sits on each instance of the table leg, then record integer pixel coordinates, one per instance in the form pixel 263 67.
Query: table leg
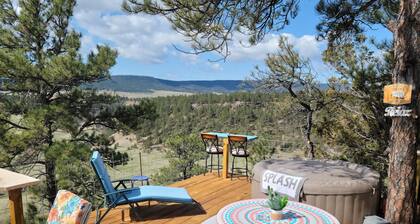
pixel 225 171
pixel 15 206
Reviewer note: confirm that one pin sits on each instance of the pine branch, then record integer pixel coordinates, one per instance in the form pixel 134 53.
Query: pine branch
pixel 15 125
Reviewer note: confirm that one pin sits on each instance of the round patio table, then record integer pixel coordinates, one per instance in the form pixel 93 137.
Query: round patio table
pixel 257 211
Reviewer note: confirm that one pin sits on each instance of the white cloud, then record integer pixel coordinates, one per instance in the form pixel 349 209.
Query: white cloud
pixel 99 5
pixel 87 44
pixel 307 46
pixel 214 66
pixel 190 59
pixel 141 37
pixel 240 49
pixel 150 39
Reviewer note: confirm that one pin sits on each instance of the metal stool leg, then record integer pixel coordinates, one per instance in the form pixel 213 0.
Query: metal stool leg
pixel 246 168
pixel 233 168
pixel 218 166
pixel 211 163
pixel 207 157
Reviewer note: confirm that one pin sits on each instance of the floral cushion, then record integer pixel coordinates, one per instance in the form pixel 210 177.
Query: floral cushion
pixel 69 208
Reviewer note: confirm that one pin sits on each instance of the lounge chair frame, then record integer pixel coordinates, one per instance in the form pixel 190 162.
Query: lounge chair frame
pixel 113 199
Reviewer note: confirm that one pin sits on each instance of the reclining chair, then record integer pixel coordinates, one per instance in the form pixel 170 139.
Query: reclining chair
pixel 115 197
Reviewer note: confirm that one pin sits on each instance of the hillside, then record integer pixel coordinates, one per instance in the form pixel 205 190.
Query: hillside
pixel 264 114
pixel 131 83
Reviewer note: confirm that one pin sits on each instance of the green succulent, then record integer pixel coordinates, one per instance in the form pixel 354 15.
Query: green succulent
pixel 275 201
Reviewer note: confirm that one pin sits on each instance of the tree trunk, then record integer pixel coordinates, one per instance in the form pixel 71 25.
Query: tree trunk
pixel 401 172
pixel 51 183
pixel 309 144
pixel 404 130
pixel 50 168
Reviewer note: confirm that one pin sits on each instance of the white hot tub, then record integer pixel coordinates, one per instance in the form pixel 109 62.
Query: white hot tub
pixel 346 190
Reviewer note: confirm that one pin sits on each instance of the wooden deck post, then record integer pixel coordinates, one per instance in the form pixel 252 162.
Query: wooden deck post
pixel 15 206
pixel 225 170
pixel 13 183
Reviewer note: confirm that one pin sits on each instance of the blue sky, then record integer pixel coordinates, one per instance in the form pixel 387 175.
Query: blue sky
pixel 145 44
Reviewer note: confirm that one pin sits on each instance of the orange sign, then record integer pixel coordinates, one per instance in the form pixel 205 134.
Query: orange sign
pixel 397 94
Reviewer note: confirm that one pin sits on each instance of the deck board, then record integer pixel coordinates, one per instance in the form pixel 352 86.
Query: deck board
pixel 211 191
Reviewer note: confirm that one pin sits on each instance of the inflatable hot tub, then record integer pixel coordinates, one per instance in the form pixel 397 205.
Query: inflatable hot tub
pixel 346 190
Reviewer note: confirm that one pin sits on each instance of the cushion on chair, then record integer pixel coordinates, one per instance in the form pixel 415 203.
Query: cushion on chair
pixel 157 193
pixel 69 208
pixel 239 153
pixel 214 149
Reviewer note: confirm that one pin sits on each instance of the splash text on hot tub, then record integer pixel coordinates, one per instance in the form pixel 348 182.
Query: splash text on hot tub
pixel 282 183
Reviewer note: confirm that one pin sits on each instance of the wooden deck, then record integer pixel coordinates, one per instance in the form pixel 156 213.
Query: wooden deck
pixel 210 191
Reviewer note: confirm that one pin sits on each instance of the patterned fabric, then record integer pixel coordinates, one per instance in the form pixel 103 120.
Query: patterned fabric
pixel 256 211
pixel 215 149
pixel 69 208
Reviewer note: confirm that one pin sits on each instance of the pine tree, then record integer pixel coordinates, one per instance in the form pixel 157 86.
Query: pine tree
pixel 290 72
pixel 210 25
pixel 48 122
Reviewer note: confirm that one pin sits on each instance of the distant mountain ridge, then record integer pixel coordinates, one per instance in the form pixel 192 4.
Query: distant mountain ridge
pixel 144 84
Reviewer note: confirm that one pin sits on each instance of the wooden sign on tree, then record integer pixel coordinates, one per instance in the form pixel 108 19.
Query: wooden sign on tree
pixel 397 94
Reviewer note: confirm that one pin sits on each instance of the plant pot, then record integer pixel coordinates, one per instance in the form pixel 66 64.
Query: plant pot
pixel 276 215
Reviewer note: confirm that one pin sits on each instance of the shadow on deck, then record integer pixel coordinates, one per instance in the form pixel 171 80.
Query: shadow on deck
pixel 210 191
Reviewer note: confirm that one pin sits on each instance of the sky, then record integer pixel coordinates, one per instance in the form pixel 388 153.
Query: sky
pixel 146 44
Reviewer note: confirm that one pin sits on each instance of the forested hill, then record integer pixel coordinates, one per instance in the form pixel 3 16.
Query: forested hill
pixel 267 115
pixel 132 83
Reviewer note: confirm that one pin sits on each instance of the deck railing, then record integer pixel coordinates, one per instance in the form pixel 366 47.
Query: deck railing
pixel 151 162
pixel 13 183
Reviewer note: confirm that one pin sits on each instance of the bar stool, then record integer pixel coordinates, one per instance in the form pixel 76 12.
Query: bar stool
pixel 238 148
pixel 212 147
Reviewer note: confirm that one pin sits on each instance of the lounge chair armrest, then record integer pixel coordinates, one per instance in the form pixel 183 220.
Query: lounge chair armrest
pixel 120 180
pixel 119 194
pixel 122 191
pixel 121 183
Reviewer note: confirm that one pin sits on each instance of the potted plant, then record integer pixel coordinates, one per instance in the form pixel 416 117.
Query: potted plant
pixel 276 204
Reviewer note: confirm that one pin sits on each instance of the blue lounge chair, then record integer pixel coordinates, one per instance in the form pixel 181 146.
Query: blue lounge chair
pixel 131 196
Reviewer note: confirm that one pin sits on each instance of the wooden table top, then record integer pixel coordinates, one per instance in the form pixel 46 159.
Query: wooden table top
pixel 10 180
pixel 225 135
